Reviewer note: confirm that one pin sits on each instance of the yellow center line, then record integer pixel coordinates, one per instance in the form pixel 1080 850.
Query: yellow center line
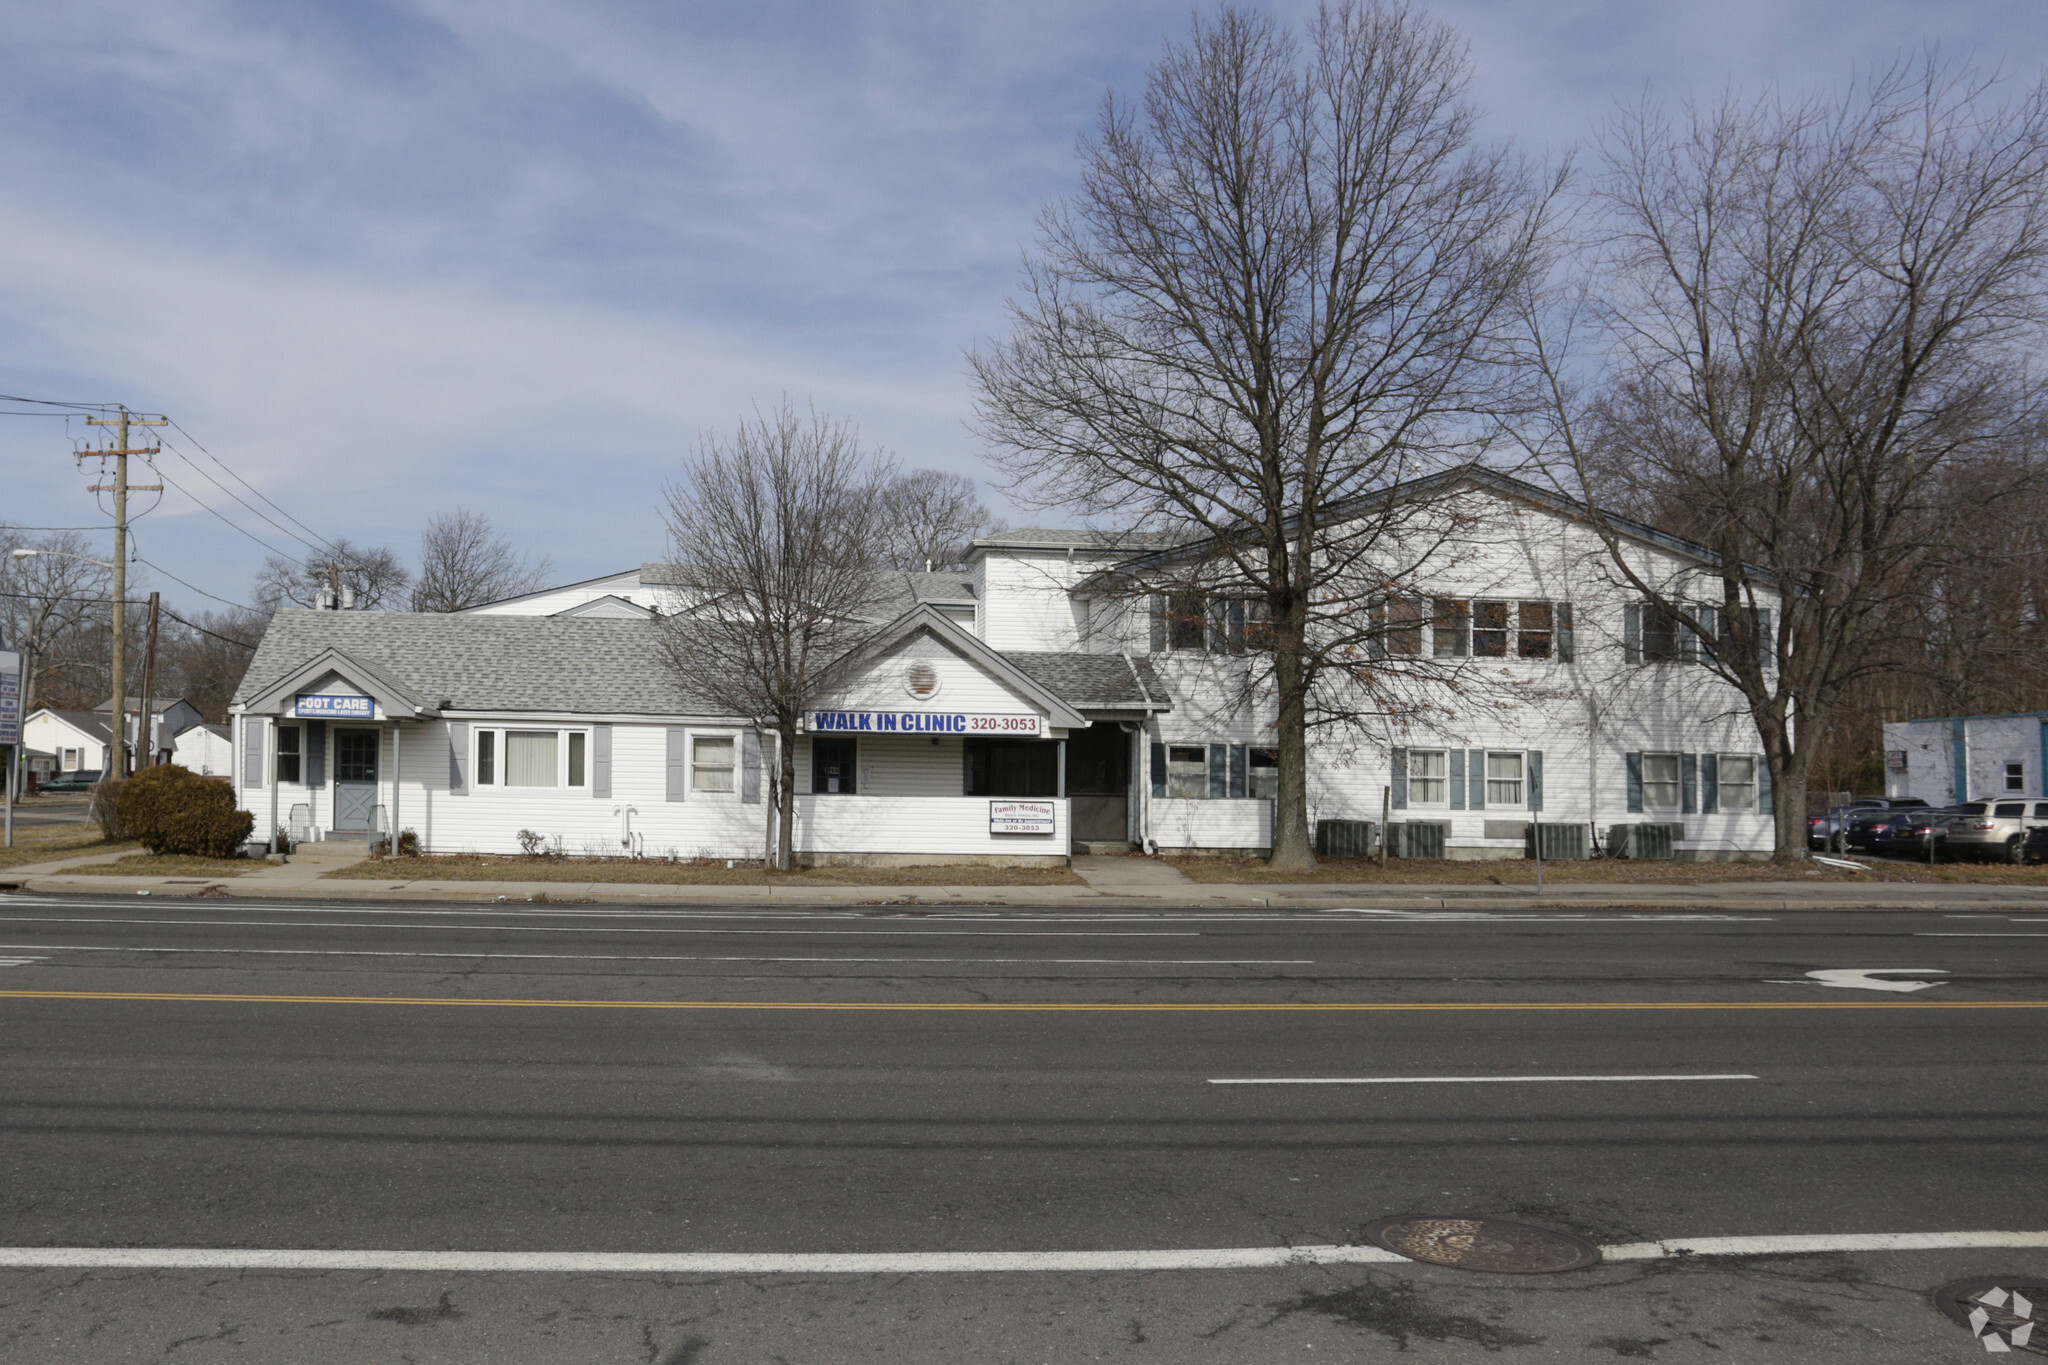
pixel 1043 1006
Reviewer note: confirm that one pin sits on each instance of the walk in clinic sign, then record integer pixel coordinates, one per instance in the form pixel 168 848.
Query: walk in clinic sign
pixel 10 696
pixel 923 723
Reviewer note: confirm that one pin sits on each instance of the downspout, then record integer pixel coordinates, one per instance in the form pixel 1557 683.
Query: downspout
pixel 270 766
pixel 1141 780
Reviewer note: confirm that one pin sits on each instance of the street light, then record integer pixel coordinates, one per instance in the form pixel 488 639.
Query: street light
pixel 117 717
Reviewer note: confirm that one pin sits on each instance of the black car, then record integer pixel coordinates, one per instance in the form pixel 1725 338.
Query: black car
pixel 1910 835
pixel 1868 827
pixel 2035 850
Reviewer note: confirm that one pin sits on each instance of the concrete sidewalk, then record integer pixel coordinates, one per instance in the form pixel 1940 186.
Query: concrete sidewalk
pixel 302 881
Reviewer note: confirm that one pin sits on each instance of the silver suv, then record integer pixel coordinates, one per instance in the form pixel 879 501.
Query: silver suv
pixel 1994 829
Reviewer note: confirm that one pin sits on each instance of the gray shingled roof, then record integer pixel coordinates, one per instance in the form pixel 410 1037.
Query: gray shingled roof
pixel 1063 538
pixel 485 663
pixel 1093 681
pixel 88 721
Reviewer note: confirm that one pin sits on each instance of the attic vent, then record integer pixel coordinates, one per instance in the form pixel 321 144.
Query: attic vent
pixel 921 680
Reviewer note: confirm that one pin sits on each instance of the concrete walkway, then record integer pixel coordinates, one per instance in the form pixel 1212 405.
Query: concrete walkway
pixel 1129 876
pixel 302 881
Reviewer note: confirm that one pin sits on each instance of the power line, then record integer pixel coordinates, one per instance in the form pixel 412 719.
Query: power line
pixel 290 558
pixel 310 544
pixel 73 407
pixel 224 639
pixel 317 537
pixel 238 606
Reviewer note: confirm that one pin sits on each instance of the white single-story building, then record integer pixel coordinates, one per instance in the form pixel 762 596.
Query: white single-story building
pixel 79 739
pixel 206 749
pixel 1947 759
pixel 1019 709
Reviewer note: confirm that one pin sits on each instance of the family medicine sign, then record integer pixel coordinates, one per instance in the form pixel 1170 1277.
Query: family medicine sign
pixel 923 723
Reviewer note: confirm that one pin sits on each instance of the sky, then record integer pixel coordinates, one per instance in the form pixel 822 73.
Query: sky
pixel 387 259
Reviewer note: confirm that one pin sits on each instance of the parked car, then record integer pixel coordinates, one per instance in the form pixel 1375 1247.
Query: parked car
pixel 1829 830
pixel 1910 835
pixel 77 781
pixel 2035 850
pixel 1994 829
pixel 1866 827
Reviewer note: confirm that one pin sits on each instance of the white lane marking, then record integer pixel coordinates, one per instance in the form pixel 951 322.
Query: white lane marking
pixel 19 961
pixel 928 1262
pixel 1868 978
pixel 1985 935
pixel 617 929
pixel 1441 915
pixel 666 957
pixel 1461 1080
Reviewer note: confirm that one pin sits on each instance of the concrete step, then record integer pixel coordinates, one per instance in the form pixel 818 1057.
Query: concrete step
pixel 1102 848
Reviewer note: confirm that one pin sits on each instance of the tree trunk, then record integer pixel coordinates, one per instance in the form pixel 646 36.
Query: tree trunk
pixel 1787 762
pixel 1291 850
pixel 785 824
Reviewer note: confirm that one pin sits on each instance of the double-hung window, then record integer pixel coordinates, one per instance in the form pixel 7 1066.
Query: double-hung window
pixel 2015 777
pixel 1265 774
pixel 288 753
pixel 1504 779
pixel 1187 771
pixel 1660 781
pixel 1536 629
pixel 1490 629
pixel 1737 782
pixel 1429 777
pixel 711 763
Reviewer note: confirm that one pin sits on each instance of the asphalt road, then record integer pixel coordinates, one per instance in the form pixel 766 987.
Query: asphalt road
pixel 61 809
pixel 568 1080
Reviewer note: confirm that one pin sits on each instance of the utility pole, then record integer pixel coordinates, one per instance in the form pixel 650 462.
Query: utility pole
pixel 120 488
pixel 145 738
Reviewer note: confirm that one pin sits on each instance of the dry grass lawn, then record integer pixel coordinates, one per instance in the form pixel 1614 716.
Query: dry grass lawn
pixel 476 867
pixel 167 865
pixel 42 843
pixel 1520 872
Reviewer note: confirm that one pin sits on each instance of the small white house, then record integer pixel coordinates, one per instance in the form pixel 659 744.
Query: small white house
pixel 1025 707
pixel 1947 759
pixel 78 739
pixel 208 750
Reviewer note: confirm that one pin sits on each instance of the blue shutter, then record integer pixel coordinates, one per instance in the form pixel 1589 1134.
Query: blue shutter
pixel 1766 796
pixel 1688 784
pixel 601 762
pixel 1688 637
pixel 1535 779
pixel 750 767
pixel 1475 780
pixel 1635 782
pixel 1376 640
pixel 1766 637
pixel 1455 761
pixel 1219 625
pixel 1567 642
pixel 1632 633
pixel 1239 761
pixel 1159 769
pixel 678 762
pixel 316 754
pixel 253 740
pixel 1710 784
pixel 1959 758
pixel 458 756
pixel 1399 779
pixel 1219 771
pixel 1158 640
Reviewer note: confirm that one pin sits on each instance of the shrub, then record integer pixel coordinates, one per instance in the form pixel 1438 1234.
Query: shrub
pixel 174 810
pixel 408 843
pixel 531 842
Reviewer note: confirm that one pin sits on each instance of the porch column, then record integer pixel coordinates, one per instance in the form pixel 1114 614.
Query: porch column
pixel 397 773
pixel 270 772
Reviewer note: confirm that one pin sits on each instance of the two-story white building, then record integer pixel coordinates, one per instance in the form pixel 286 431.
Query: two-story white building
pixel 1022 708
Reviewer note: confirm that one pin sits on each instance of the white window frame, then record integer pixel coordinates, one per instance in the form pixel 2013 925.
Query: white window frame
pixel 1259 775
pixel 733 768
pixel 1677 782
pixel 1519 783
pixel 71 759
pixel 1722 785
pixel 1442 778
pixel 2016 777
pixel 500 757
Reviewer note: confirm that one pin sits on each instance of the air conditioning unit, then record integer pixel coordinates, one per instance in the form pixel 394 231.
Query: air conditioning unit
pixel 1417 839
pixel 1644 843
pixel 1346 839
pixel 1561 843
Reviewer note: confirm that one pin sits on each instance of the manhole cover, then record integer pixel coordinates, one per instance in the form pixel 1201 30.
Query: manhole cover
pixel 1482 1244
pixel 2005 1312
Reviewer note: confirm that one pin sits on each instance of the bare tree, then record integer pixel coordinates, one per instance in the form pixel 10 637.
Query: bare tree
pixel 1813 321
pixel 1282 287
pixel 776 534
pixel 54 606
pixel 203 660
pixel 465 563
pixel 933 516
pixel 370 576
